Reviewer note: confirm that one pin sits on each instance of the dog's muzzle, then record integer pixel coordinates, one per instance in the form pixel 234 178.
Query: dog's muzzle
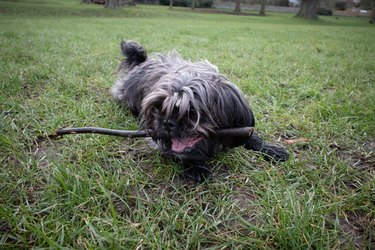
pixel 180 141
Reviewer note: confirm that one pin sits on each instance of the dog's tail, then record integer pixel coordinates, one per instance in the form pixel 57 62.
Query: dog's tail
pixel 134 54
pixel 270 152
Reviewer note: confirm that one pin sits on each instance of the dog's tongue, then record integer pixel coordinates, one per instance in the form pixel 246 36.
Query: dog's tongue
pixel 180 144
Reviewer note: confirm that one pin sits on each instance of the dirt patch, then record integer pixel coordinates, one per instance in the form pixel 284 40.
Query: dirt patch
pixel 358 229
pixel 45 151
pixel 356 226
pixel 244 199
pixel 140 150
pixel 362 158
pixel 137 148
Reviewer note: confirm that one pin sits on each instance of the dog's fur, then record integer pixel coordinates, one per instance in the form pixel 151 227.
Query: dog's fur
pixel 182 103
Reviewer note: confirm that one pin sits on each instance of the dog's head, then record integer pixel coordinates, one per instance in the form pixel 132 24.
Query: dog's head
pixel 185 108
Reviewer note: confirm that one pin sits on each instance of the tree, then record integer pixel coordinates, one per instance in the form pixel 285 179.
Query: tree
pixel 372 17
pixel 117 3
pixel 262 11
pixel 170 4
pixel 308 9
pixel 237 8
pixel 193 4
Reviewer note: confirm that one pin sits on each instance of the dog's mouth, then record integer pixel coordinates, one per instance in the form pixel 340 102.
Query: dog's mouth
pixel 180 145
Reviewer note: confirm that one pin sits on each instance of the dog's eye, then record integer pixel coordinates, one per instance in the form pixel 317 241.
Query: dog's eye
pixel 158 107
pixel 192 114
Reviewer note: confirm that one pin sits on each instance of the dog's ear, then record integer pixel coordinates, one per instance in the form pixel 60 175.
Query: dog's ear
pixel 233 110
pixel 151 106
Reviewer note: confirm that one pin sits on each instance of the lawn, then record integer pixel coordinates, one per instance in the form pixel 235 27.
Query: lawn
pixel 311 85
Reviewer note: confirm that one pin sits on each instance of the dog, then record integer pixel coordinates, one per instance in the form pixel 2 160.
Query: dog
pixel 182 103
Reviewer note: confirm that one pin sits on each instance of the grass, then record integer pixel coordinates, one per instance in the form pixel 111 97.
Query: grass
pixel 309 80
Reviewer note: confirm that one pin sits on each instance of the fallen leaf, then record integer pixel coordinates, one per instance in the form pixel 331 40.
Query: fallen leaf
pixel 293 141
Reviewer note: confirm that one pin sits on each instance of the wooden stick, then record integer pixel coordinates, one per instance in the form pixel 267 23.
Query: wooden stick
pixel 235 132
pixel 104 131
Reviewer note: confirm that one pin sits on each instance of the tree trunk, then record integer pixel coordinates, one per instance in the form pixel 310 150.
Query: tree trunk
pixel 262 11
pixel 193 4
pixel 237 8
pixel 114 4
pixel 372 17
pixel 308 9
pixel 170 4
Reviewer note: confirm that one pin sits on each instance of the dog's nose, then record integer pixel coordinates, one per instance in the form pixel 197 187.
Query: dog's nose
pixel 169 125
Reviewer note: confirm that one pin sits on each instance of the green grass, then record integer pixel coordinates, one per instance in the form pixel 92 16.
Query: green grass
pixel 312 80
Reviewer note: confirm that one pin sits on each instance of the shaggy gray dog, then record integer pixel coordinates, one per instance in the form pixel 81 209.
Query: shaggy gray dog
pixel 182 103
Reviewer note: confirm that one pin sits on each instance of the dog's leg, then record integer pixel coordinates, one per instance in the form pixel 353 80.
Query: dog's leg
pixel 196 173
pixel 269 151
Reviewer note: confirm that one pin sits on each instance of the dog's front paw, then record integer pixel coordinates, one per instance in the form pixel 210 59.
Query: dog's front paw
pixel 197 174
